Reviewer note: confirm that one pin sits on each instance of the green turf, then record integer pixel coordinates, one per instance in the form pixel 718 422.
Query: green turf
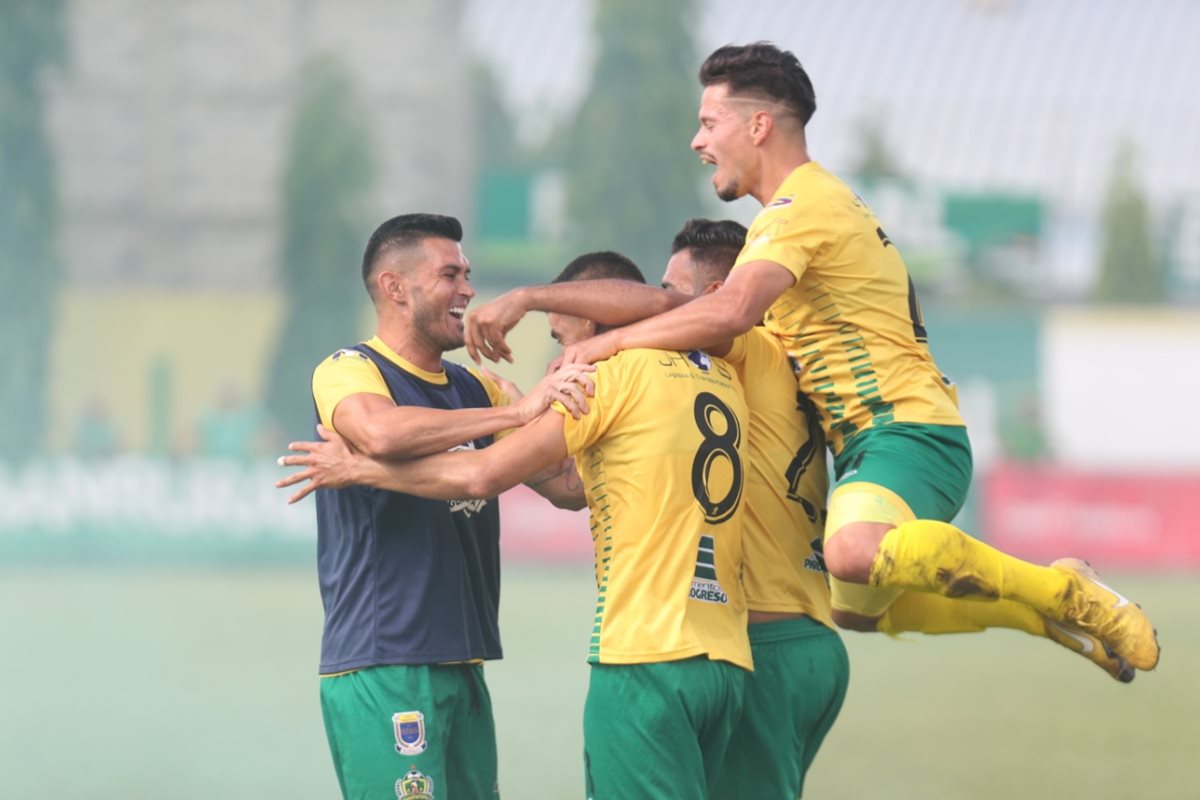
pixel 179 683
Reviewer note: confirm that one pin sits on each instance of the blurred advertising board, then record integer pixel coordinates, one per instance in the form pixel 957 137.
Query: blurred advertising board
pixel 1134 519
pixel 135 508
pixel 533 530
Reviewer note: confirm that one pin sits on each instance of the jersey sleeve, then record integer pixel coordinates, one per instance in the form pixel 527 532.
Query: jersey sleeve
pixel 788 235
pixel 344 373
pixel 739 350
pixel 764 347
pixel 603 407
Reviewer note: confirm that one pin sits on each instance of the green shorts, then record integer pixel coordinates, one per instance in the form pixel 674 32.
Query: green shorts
pixel 800 676
pixel 659 731
pixel 415 732
pixel 928 466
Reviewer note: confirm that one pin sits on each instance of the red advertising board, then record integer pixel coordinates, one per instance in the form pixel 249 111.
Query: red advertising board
pixel 1041 513
pixel 532 529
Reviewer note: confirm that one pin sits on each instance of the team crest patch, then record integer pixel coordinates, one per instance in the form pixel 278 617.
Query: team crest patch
pixel 414 786
pixel 410 733
pixel 700 359
pixel 348 353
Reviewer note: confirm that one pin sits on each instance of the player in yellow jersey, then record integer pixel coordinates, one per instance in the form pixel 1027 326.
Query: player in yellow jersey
pixel 820 270
pixel 801 669
pixel 659 454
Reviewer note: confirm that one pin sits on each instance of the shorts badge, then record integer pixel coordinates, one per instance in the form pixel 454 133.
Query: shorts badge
pixel 410 732
pixel 414 786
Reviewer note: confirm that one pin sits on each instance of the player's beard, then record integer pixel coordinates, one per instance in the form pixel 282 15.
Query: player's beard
pixel 431 323
pixel 731 191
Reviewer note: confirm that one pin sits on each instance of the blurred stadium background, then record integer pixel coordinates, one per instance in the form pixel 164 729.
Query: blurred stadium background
pixel 184 193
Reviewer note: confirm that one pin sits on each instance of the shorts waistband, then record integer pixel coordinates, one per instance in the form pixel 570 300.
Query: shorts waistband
pixel 785 629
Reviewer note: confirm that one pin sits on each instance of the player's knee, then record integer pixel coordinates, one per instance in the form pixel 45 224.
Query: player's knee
pixel 849 621
pixel 848 557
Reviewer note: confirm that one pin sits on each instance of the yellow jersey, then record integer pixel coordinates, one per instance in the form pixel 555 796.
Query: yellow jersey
pixel 851 320
pixel 787 482
pixel 660 453
pixel 348 372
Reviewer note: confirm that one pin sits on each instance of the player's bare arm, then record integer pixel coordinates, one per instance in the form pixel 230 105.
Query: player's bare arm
pixel 560 484
pixel 379 428
pixel 605 301
pixel 457 475
pixel 705 322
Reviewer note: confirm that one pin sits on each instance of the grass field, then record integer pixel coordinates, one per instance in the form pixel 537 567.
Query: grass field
pixel 200 683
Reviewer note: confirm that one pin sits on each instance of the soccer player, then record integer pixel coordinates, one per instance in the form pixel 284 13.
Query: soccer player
pixel 410 586
pixel 821 273
pixel 660 455
pixel 800 666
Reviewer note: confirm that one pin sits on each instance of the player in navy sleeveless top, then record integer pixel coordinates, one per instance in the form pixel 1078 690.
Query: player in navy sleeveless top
pixel 411 587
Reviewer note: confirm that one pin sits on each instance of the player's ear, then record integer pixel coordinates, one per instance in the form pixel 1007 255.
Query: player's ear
pixel 761 123
pixel 390 286
pixel 712 287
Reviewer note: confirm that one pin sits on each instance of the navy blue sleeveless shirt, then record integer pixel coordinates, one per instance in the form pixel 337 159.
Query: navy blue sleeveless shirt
pixel 406 580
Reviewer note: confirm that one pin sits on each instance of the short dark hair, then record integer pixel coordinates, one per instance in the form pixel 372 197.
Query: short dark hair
pixel 714 245
pixel 404 231
pixel 601 264
pixel 763 71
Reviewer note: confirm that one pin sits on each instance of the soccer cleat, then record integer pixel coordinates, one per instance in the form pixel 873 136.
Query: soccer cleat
pixel 1102 613
pixel 1090 648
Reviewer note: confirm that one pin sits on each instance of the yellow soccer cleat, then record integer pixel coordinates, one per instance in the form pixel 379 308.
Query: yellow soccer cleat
pixel 1090 648
pixel 1105 614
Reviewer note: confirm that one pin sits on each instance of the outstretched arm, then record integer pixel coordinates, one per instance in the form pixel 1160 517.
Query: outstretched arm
pixel 606 301
pixel 560 483
pixel 706 321
pixel 379 428
pixel 457 475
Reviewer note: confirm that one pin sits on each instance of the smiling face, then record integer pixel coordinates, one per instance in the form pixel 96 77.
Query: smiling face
pixel 724 140
pixel 439 289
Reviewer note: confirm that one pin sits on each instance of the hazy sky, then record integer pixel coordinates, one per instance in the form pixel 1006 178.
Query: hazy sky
pixel 1032 95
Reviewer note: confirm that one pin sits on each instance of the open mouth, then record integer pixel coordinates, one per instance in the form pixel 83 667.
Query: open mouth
pixel 458 313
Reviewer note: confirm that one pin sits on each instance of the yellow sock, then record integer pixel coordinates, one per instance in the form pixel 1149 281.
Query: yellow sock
pixel 930 613
pixel 930 556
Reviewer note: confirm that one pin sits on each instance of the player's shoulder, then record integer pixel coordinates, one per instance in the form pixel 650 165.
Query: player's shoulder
pixel 344 372
pixel 344 359
pixel 763 349
pixel 350 354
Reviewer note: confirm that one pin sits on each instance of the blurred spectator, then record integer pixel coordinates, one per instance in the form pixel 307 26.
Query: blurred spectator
pixel 232 429
pixel 96 435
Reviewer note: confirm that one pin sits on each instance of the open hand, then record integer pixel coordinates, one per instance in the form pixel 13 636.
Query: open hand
pixel 589 351
pixel 570 385
pixel 488 325
pixel 328 464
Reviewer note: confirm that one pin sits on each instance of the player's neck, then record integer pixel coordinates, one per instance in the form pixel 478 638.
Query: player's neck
pixel 405 343
pixel 775 169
